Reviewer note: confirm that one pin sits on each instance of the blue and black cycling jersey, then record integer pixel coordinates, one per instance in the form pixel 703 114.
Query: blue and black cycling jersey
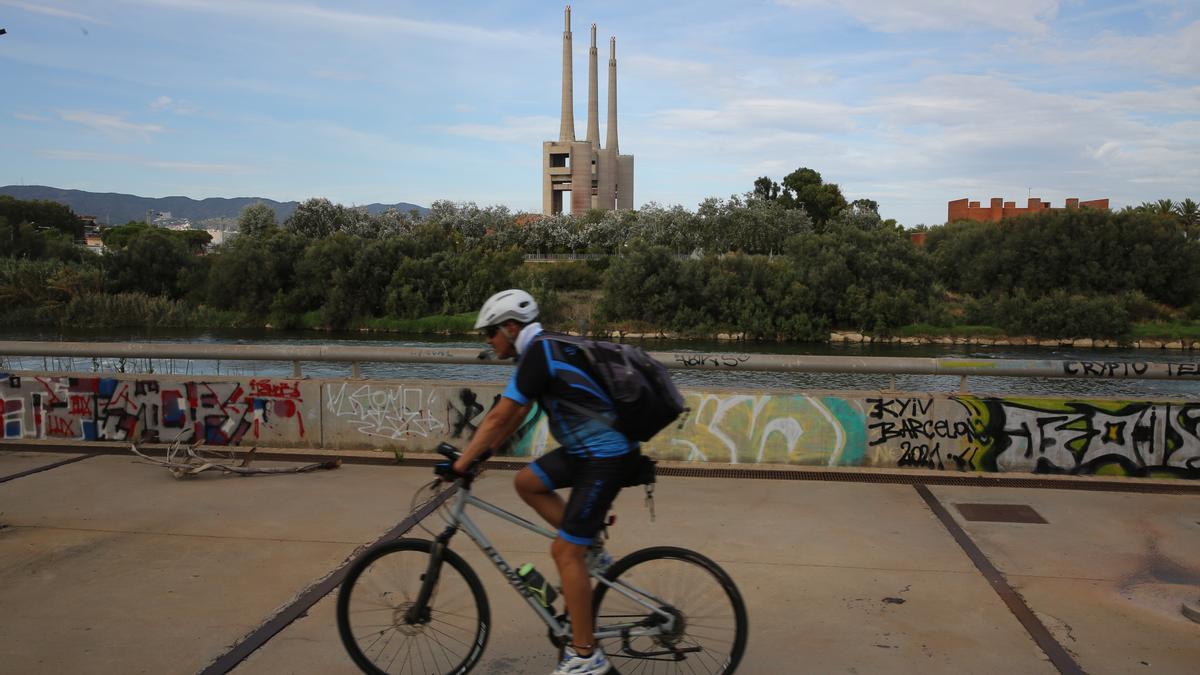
pixel 557 374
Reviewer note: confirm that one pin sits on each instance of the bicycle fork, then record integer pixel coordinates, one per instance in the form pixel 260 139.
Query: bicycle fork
pixel 419 611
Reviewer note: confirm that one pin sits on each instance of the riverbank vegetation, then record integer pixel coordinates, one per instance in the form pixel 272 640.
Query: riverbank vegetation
pixel 791 260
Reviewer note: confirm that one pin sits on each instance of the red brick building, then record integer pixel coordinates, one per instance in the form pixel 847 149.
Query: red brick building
pixel 962 209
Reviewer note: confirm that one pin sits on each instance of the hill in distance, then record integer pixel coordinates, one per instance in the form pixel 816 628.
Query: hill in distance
pixel 111 208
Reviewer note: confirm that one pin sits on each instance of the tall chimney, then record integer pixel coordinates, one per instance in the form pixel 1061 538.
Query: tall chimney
pixel 593 123
pixel 566 130
pixel 611 142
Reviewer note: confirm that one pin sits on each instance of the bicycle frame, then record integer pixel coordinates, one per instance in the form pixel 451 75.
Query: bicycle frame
pixel 458 519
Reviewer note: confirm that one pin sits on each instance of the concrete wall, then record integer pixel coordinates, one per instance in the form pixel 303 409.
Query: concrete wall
pixel 865 429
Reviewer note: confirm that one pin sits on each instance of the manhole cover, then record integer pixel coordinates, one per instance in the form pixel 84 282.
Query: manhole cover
pixel 1000 513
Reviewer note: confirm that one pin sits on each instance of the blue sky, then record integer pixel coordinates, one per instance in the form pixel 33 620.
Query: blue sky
pixel 910 103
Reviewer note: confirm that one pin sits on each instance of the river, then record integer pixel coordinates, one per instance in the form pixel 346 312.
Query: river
pixel 1075 388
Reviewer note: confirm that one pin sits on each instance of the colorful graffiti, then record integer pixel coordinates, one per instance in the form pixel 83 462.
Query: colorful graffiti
pixel 532 438
pixel 765 428
pixel 927 431
pixel 110 409
pixel 1040 435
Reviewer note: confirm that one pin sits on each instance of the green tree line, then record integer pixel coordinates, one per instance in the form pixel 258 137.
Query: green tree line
pixel 790 260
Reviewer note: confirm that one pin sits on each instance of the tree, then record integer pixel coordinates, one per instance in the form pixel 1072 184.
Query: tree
pixel 1189 213
pixel 864 206
pixel 121 236
pixel 195 240
pixel 871 279
pixel 42 215
pixel 118 237
pixel 766 188
pixel 804 189
pixel 256 220
pixel 1133 250
pixel 26 240
pixel 468 223
pixel 152 262
pixel 821 201
pixel 249 273
pixel 1162 207
pixel 318 218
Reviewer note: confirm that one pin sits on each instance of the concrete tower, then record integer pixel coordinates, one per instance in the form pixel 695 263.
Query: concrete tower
pixel 566 128
pixel 593 128
pixel 596 177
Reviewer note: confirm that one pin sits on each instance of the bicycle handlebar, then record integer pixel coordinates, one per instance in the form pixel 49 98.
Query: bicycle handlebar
pixel 446 471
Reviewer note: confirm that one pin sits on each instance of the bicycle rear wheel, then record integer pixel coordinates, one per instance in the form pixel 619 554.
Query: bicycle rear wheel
pixel 709 635
pixel 376 595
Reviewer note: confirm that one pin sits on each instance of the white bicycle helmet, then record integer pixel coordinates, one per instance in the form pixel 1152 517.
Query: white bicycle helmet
pixel 513 304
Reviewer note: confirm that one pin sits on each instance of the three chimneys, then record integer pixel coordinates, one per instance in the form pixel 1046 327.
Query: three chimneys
pixel 597 178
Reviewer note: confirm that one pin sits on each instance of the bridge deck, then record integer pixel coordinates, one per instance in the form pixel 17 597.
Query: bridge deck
pixel 110 566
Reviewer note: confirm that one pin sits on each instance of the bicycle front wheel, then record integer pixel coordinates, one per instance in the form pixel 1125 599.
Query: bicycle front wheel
pixel 373 612
pixel 708 633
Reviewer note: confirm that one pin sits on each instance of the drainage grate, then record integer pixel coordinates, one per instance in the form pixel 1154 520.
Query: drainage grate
pixel 1000 513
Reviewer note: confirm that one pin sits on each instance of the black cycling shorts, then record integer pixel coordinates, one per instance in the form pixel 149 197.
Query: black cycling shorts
pixel 594 483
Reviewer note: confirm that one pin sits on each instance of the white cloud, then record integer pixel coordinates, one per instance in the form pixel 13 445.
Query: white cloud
pixel 1175 53
pixel 899 16
pixel 29 117
pixel 170 165
pixel 1164 100
pixel 916 146
pixel 166 103
pixel 756 115
pixel 325 73
pixel 109 124
pixel 532 130
pixel 51 10
pixel 1106 148
pixel 353 23
pixel 195 167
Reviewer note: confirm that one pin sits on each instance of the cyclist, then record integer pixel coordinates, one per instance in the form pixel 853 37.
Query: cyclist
pixel 592 461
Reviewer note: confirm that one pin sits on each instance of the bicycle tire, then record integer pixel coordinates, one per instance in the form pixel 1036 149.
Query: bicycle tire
pixel 676 584
pixel 394 594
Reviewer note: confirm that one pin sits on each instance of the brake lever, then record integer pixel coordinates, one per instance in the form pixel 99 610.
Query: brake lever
pixel 448 451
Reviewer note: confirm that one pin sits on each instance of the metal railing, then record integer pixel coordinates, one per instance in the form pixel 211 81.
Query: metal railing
pixel 561 257
pixel 726 361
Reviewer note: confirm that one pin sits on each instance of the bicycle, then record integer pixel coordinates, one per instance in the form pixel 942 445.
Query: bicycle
pixel 420 599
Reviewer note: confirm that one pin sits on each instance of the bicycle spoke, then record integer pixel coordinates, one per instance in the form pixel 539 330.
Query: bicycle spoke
pixel 383 649
pixel 448 636
pixel 438 642
pixel 389 665
pixel 707 614
pixel 460 616
pixel 377 601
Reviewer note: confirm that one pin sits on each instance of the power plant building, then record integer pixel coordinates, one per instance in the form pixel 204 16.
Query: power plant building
pixel 596 177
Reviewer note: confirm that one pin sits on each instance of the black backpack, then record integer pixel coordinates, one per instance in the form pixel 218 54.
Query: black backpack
pixel 642 391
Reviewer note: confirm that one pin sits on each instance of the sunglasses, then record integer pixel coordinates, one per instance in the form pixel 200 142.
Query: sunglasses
pixel 491 331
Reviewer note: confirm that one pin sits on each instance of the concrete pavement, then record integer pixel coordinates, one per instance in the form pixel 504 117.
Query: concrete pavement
pixel 112 566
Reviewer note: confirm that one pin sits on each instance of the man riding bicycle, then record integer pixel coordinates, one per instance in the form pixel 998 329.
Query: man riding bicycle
pixel 593 459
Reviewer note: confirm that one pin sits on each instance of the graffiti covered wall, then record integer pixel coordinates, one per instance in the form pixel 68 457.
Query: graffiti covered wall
pixel 1039 435
pixel 217 411
pixel 950 432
